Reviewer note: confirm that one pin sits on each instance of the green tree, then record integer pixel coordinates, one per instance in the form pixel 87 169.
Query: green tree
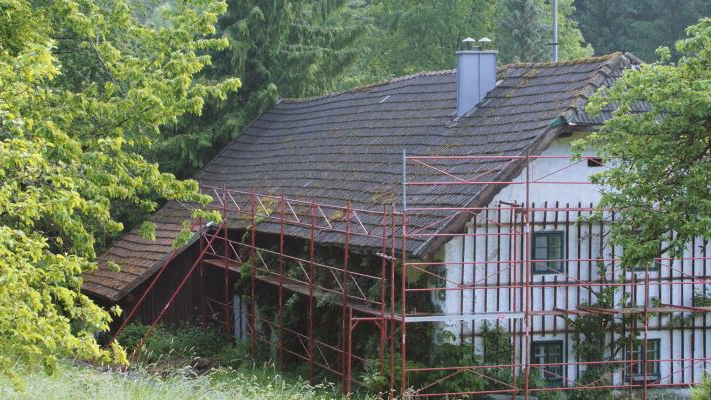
pixel 279 49
pixel 407 36
pixel 571 43
pixel 638 26
pixel 84 86
pixel 416 36
pixel 660 178
pixel 522 35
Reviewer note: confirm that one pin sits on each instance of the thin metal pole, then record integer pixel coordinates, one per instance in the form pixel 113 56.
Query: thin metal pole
pixel 226 307
pixel 312 281
pixel 645 389
pixel 383 279
pixel 527 255
pixel 392 300
pixel 349 350
pixel 403 301
pixel 345 328
pixel 253 280
pixel 203 313
pixel 281 283
pixel 555 30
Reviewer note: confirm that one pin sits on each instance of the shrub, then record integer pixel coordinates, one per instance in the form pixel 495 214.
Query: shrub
pixel 185 341
pixel 702 391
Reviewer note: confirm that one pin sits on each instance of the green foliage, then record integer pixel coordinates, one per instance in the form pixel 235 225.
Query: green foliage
pixel 278 49
pixel 247 382
pixel 702 391
pixel 84 87
pixel 700 298
pixel 661 173
pixel 601 337
pixel 406 36
pixel 454 355
pixel 638 26
pixel 522 32
pixel 185 341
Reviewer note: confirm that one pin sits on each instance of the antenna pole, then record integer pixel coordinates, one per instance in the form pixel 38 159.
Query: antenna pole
pixel 555 30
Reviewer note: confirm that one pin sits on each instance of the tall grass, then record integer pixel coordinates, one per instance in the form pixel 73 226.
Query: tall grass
pixel 75 382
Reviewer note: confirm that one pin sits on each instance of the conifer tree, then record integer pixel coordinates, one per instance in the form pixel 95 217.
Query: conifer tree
pixel 522 35
pixel 278 49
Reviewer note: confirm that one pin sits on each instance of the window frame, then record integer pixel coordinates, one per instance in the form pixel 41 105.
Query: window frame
pixel 638 373
pixel 550 380
pixel 534 253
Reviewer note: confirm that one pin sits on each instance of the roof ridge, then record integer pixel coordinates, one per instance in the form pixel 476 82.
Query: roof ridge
pixel 369 85
pixel 588 60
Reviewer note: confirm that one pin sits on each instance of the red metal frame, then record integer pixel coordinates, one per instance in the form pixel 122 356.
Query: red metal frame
pixel 525 287
pixel 512 221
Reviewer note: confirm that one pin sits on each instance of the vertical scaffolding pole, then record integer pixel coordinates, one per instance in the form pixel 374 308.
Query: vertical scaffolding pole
pixel 203 313
pixel 252 279
pixel 646 333
pixel 345 326
pixel 349 350
pixel 392 300
pixel 226 253
pixel 312 282
pixel 383 279
pixel 281 283
pixel 513 268
pixel 403 283
pixel 527 281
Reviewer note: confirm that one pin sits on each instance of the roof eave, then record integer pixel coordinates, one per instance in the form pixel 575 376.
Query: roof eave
pixel 119 295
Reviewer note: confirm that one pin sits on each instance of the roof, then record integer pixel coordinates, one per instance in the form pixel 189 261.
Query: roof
pixel 347 147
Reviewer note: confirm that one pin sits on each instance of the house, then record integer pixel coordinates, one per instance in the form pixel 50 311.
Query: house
pixel 447 175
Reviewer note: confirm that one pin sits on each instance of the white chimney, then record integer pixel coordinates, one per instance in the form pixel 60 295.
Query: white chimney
pixel 476 76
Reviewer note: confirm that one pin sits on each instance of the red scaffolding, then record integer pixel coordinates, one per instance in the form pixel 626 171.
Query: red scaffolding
pixel 255 239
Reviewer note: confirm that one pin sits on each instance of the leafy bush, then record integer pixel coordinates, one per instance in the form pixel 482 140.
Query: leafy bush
pixel 185 341
pixel 702 391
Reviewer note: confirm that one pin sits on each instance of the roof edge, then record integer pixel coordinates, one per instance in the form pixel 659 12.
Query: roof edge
pixel 119 295
pixel 587 60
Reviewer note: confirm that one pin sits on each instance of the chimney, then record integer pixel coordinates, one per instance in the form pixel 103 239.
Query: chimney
pixel 476 75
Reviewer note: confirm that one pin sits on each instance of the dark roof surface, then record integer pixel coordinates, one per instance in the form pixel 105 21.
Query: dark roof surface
pixel 348 147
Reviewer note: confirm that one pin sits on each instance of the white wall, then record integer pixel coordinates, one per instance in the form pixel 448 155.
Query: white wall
pixel 492 264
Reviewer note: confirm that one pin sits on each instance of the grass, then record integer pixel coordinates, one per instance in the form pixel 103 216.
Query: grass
pixel 80 382
pixel 162 370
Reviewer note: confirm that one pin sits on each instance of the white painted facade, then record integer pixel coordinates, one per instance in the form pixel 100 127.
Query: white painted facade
pixel 493 258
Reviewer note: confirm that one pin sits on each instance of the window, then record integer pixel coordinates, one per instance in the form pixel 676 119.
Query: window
pixel 548 252
pixel 636 370
pixel 548 352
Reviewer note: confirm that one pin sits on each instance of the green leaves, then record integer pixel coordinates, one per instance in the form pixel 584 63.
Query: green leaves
pixel 84 88
pixel 661 180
